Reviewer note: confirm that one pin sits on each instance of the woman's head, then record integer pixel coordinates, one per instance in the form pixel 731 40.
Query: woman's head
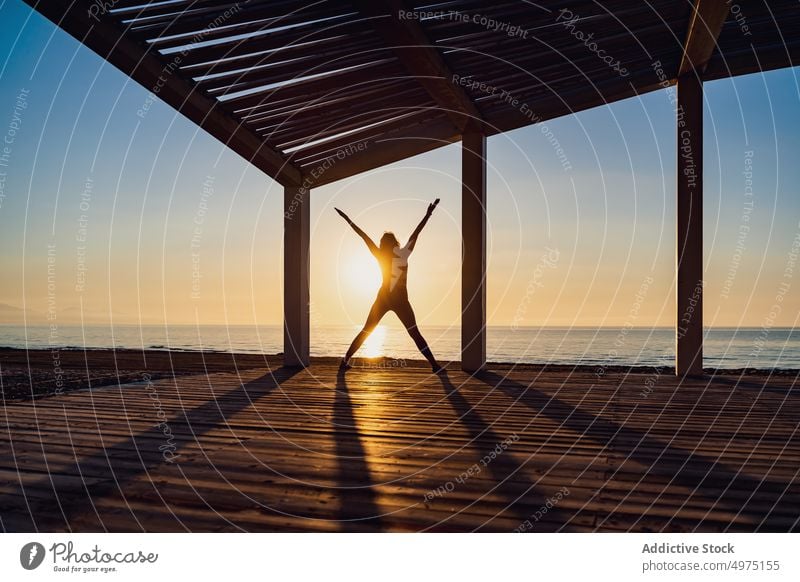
pixel 389 241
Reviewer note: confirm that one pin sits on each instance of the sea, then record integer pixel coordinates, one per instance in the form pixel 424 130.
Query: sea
pixel 724 348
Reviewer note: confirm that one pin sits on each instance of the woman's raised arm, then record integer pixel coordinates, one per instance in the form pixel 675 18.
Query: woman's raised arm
pixel 412 240
pixel 371 245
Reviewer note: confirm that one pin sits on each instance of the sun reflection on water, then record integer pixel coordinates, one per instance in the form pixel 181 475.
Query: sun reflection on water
pixel 373 346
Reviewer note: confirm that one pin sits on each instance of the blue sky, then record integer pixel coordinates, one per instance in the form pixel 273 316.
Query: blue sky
pixel 609 217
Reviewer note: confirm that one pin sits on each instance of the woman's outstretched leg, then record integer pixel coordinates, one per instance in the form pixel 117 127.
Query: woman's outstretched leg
pixel 376 312
pixel 406 315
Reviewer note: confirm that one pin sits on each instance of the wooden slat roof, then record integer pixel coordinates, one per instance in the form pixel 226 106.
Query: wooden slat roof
pixel 312 92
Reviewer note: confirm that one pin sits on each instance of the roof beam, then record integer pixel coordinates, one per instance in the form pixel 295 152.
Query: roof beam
pixel 381 150
pixel 705 25
pixel 386 149
pixel 422 60
pixel 156 75
pixel 764 58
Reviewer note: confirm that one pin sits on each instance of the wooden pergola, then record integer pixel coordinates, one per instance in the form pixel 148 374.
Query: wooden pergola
pixel 314 92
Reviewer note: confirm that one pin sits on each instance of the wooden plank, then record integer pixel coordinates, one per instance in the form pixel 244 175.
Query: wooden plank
pixel 421 140
pixel 473 244
pixel 384 149
pixel 158 76
pixel 283 43
pixel 331 107
pixel 705 24
pixel 409 38
pixel 422 60
pixel 689 221
pixel 386 119
pixel 706 458
pixel 259 52
pixel 211 22
pixel 267 69
pixel 320 116
pixel 747 61
pixel 296 240
pixel 329 85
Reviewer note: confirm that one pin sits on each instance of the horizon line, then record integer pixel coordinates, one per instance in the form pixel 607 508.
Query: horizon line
pixel 490 326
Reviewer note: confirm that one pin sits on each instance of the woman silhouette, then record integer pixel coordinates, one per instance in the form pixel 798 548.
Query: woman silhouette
pixel 393 295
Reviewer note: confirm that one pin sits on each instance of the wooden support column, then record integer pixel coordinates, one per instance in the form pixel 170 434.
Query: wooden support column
pixel 296 237
pixel 689 325
pixel 473 266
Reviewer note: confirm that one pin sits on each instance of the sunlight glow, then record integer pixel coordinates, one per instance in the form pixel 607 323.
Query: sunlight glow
pixel 362 276
pixel 373 346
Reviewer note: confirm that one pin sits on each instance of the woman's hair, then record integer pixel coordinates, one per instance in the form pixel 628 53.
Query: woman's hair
pixel 389 241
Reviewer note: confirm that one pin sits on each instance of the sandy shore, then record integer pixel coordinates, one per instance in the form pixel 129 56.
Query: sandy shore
pixel 28 374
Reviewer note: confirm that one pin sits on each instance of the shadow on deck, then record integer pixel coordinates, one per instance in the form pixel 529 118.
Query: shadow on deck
pixel 404 450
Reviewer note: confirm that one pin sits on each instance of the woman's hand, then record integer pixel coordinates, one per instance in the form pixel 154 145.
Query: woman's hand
pixel 371 245
pixel 342 214
pixel 432 206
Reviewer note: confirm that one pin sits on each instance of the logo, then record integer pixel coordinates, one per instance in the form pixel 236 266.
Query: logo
pixel 31 555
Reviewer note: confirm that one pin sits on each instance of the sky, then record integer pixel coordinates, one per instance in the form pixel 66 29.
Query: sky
pixel 137 216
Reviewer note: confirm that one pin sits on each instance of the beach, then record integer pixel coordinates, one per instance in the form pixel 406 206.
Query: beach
pixel 28 374
pixel 39 373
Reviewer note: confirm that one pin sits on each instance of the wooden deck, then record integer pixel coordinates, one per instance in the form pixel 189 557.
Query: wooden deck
pixel 391 450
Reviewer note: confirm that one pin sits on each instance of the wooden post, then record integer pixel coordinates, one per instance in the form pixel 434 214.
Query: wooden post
pixel 296 236
pixel 473 267
pixel 689 325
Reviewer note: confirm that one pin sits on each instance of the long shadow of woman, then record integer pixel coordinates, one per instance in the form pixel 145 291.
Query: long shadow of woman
pixel 509 480
pixel 358 509
pixel 112 468
pixel 772 504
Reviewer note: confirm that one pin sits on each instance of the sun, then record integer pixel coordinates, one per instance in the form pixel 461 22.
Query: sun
pixel 362 276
